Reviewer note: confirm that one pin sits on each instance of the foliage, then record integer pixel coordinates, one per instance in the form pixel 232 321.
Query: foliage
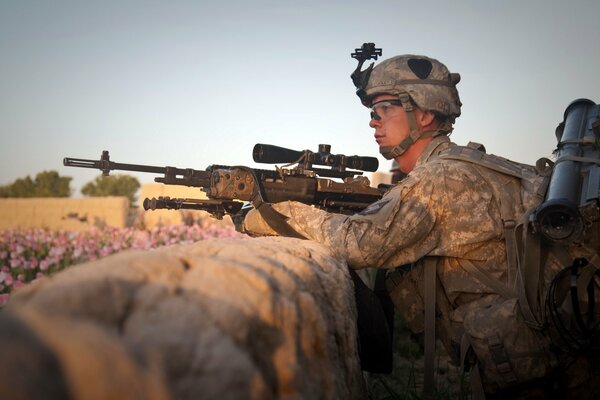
pixel 30 254
pixel 406 381
pixel 113 185
pixel 46 184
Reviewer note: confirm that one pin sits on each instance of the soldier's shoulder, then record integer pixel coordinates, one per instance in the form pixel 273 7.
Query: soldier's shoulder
pixel 438 168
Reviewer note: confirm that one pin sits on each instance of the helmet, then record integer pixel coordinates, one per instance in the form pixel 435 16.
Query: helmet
pixel 427 81
pixel 421 80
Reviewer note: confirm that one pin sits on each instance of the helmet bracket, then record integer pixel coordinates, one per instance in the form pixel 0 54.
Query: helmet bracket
pixel 360 77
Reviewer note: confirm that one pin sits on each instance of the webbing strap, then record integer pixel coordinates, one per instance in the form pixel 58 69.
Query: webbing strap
pixel 276 220
pixel 577 159
pixel 429 282
pixel 479 157
pixel 477 392
pixel 439 82
pixel 501 360
pixel 529 275
pixel 487 279
pixel 595 261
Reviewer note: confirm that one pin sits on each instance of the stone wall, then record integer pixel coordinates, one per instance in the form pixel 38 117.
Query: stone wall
pixel 263 318
pixel 150 219
pixel 83 213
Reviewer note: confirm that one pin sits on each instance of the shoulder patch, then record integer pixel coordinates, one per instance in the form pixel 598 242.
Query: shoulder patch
pixel 375 207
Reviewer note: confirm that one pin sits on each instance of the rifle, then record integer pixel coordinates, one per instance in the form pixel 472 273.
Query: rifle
pixel 228 187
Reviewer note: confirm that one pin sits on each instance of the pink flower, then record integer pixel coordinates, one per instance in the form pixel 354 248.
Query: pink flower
pixel 8 280
pixel 4 299
pixel 44 264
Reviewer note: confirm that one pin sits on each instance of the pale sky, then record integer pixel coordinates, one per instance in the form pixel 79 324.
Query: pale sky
pixel 194 83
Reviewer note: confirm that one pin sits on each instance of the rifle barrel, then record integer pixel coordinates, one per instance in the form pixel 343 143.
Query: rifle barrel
pixel 171 175
pixel 105 165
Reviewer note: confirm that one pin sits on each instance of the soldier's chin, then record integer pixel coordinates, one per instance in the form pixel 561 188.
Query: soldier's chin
pixel 383 150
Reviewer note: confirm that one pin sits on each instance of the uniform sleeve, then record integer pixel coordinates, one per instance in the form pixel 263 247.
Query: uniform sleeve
pixel 395 230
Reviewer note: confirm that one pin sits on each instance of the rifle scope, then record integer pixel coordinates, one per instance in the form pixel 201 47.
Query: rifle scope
pixel 575 180
pixel 269 154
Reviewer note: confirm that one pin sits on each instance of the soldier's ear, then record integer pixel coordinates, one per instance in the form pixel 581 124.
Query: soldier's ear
pixel 426 118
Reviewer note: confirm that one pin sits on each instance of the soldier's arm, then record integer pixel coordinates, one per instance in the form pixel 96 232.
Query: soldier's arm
pixel 392 231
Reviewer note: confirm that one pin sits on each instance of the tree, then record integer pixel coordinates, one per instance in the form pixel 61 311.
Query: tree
pixel 114 185
pixel 46 184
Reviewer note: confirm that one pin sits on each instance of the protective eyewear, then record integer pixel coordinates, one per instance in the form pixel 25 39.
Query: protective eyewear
pixel 385 109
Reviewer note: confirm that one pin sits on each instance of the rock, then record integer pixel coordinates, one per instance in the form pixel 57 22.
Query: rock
pixel 264 318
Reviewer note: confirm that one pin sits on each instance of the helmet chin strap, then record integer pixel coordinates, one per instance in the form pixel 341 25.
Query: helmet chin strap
pixel 391 152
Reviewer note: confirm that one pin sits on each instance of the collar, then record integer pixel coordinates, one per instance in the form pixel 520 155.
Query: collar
pixel 435 147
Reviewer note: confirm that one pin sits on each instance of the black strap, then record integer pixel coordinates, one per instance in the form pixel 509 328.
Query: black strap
pixel 374 333
pixel 429 283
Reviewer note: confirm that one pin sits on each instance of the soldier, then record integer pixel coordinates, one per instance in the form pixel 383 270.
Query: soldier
pixel 448 216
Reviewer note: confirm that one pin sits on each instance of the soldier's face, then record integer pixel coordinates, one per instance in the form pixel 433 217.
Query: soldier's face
pixel 389 121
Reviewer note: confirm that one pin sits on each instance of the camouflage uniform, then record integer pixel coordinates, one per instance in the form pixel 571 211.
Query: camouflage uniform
pixel 455 214
pixel 448 209
pixel 444 209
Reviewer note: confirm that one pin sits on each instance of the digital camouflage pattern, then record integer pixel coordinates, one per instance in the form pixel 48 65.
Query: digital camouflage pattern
pixel 441 209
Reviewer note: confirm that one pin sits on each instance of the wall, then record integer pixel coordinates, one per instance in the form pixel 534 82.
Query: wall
pixel 63 213
pixel 152 218
pixel 263 318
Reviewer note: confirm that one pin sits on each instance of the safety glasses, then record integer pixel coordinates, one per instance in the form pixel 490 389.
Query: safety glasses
pixel 385 109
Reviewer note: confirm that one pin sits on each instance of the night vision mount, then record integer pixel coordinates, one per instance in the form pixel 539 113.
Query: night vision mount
pixel 360 77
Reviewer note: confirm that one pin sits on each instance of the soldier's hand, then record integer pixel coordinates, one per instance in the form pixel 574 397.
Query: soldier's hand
pixel 255 225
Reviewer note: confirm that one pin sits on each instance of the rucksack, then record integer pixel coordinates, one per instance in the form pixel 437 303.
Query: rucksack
pixel 551 228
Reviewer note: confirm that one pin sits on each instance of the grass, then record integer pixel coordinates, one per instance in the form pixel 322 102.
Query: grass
pixel 406 380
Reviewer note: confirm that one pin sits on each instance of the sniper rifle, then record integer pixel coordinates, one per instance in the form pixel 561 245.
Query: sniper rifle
pixel 231 188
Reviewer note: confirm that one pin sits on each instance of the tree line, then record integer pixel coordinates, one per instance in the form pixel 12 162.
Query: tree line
pixel 51 184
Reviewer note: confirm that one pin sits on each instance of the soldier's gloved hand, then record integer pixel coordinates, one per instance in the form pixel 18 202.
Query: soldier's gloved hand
pixel 255 225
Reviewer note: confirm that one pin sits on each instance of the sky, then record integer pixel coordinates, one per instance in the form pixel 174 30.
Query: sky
pixel 194 83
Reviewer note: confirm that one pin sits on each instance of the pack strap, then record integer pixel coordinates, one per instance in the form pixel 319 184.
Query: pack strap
pixel 501 360
pixel 530 273
pixel 487 279
pixel 429 292
pixel 475 155
pixel 477 392
pixel 577 159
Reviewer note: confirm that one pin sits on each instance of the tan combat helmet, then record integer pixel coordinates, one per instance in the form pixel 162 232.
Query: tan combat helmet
pixel 421 80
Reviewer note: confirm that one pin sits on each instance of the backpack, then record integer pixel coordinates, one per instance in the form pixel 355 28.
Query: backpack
pixel 551 216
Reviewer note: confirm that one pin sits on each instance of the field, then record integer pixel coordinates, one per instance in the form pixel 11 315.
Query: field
pixel 30 254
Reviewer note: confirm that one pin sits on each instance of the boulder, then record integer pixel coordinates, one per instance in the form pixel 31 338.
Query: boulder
pixel 263 318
